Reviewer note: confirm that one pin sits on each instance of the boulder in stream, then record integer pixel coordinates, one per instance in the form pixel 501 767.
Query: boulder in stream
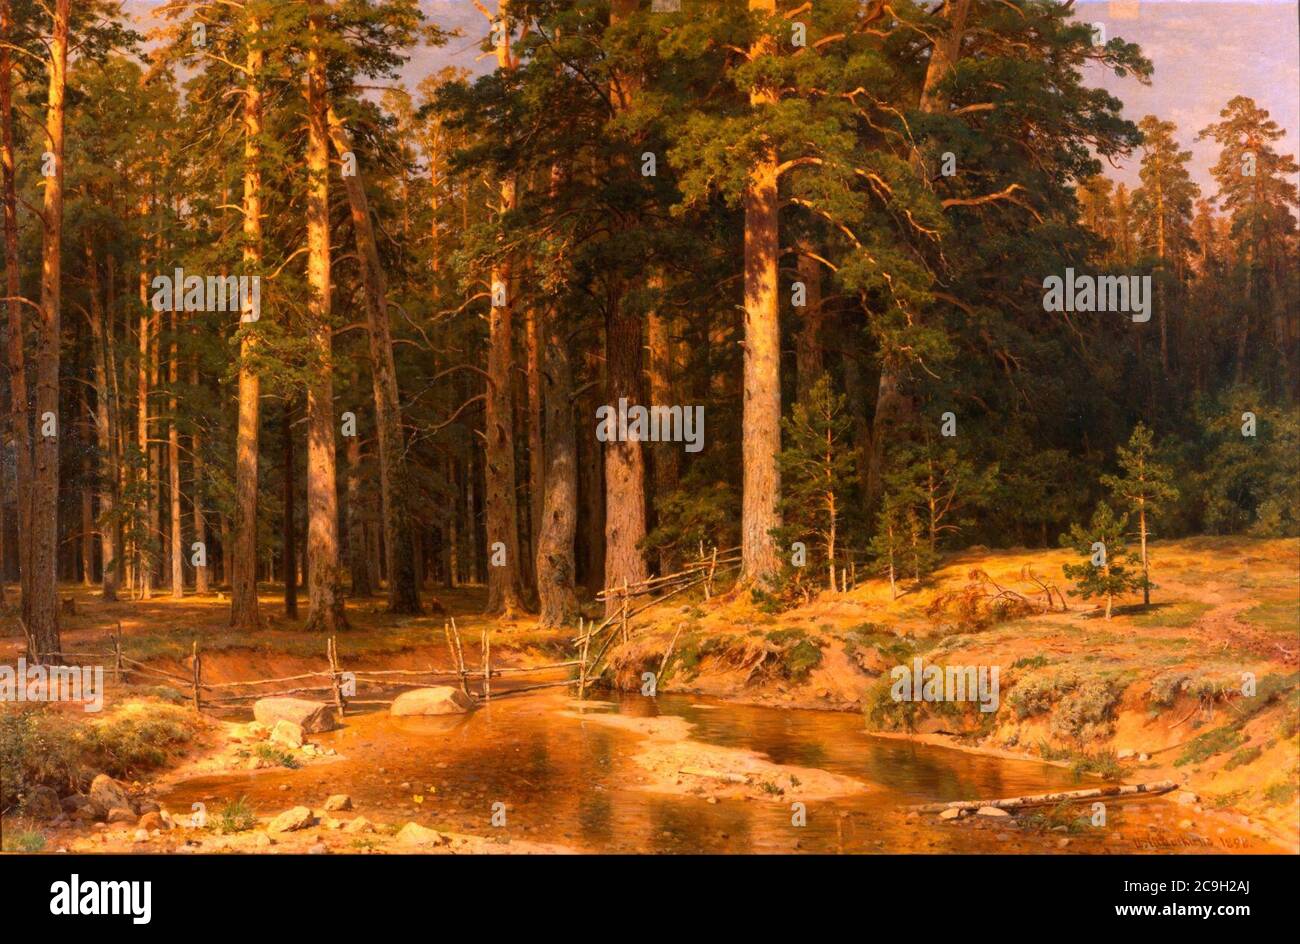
pixel 312 716
pixel 108 794
pixel 439 700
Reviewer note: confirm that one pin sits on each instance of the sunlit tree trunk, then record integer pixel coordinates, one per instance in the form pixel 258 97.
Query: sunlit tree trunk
pixel 505 593
pixel 666 457
pixel 202 581
pixel 325 599
pixel 239 558
pixel 394 484
pixel 761 421
pixel 174 473
pixel 43 615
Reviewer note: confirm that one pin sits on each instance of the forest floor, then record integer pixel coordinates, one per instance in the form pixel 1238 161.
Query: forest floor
pixel 1152 694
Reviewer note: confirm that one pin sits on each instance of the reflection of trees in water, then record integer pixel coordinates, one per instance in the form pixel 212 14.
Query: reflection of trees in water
pixel 693 826
pixel 596 817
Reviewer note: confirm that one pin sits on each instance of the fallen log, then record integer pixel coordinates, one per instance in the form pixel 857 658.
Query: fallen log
pixel 1052 799
pixel 714 774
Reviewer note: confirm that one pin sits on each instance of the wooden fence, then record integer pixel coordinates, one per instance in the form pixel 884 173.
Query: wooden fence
pixel 340 684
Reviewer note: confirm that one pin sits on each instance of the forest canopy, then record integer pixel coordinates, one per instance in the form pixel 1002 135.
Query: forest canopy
pixel 825 226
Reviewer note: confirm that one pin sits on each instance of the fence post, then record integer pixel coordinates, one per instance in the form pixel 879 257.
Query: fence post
pixel 460 658
pixel 117 655
pixel 486 645
pixel 582 665
pixel 333 652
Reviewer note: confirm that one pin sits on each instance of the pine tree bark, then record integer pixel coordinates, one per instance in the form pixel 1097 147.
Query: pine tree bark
pixel 20 404
pixel 665 457
pixel 288 532
pixel 174 473
pixel 536 448
pixel 761 420
pixel 239 558
pixel 505 591
pixel 106 434
pixel 625 463
pixel 555 558
pixel 202 581
pixel 43 621
pixel 358 558
pixel 394 479
pixel 324 594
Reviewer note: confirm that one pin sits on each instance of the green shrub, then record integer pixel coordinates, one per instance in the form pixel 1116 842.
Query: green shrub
pixel 27 840
pixel 275 755
pixel 235 817
pixel 1085 713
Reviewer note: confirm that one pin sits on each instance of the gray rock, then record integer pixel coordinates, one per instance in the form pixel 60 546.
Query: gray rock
pixel 312 716
pixel 413 834
pixel 950 813
pixel 992 811
pixel 121 814
pixel 297 818
pixel 287 734
pixel 439 700
pixel 107 794
pixel 338 802
pixel 42 803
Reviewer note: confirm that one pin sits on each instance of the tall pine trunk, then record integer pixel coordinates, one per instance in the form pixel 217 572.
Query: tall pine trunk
pixel 324 594
pixel 556 571
pixel 761 420
pixel 239 558
pixel 20 405
pixel 289 559
pixel 105 433
pixel 43 615
pixel 394 482
pixel 505 593
pixel 174 473
pixel 665 456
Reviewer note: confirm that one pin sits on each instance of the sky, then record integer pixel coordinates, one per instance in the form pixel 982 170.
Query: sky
pixel 1204 52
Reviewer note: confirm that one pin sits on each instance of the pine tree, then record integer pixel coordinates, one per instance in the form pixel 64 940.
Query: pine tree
pixel 1143 486
pixel 1108 571
pixel 817 468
